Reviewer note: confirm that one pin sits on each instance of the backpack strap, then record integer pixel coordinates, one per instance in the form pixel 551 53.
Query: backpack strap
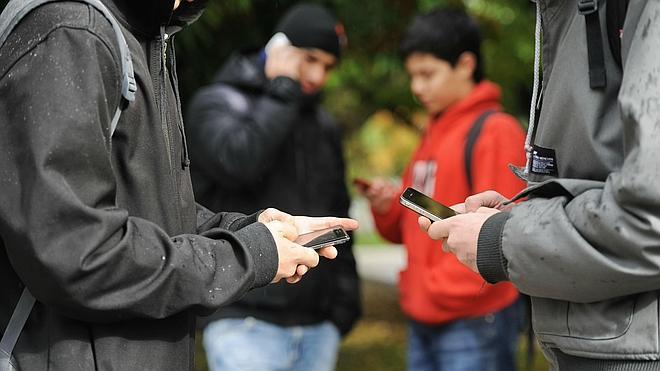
pixel 472 137
pixel 615 15
pixel 14 328
pixel 597 73
pixel 12 14
pixel 17 9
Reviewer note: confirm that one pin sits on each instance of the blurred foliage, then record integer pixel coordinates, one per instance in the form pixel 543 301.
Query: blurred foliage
pixel 368 93
pixel 371 76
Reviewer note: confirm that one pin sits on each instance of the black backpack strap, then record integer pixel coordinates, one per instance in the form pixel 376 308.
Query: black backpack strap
pixel 615 16
pixel 597 73
pixel 472 137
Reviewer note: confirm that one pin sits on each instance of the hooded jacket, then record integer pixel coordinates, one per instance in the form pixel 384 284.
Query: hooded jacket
pixel 257 143
pixel 105 231
pixel 435 288
pixel 585 245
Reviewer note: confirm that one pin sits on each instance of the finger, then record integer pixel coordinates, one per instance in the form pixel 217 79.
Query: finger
pixel 487 198
pixel 308 224
pixel 424 223
pixel 459 208
pixel 440 229
pixel 329 252
pixel 301 270
pixel 293 279
pixel 306 256
pixel 445 245
pixel 472 203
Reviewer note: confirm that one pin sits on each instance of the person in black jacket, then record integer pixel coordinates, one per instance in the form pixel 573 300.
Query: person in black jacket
pixel 103 229
pixel 258 137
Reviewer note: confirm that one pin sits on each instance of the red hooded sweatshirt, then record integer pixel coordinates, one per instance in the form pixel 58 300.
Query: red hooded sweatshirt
pixel 435 287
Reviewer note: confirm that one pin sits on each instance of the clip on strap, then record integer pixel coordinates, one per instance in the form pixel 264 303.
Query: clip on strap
pixel 597 73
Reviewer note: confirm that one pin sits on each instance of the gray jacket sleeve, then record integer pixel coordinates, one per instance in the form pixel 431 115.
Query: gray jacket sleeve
pixel 600 240
pixel 233 139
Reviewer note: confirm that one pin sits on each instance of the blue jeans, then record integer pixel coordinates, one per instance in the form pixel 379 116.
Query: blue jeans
pixel 485 343
pixel 253 345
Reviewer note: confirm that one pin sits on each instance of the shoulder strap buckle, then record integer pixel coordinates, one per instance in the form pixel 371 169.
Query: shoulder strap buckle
pixel 586 7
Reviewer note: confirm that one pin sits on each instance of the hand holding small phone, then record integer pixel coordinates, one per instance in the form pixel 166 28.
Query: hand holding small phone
pixel 282 59
pixel 425 205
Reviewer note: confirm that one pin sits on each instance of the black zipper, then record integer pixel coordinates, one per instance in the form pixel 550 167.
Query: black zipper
pixel 166 125
pixel 185 158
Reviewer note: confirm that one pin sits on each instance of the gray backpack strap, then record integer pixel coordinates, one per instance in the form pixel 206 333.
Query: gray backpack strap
pixel 14 328
pixel 17 9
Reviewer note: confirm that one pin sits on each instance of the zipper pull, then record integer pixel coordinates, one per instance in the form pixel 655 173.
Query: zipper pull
pixel 166 38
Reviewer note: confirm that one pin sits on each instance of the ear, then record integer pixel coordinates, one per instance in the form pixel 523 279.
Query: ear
pixel 465 66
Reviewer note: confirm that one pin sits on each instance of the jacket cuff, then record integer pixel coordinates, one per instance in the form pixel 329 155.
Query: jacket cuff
pixel 491 262
pixel 285 89
pixel 263 250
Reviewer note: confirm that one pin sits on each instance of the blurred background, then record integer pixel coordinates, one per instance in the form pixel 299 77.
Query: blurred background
pixel 368 94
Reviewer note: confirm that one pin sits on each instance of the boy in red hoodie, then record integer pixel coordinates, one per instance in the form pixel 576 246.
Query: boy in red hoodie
pixel 457 321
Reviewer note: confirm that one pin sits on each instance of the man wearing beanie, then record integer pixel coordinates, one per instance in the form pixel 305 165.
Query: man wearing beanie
pixel 259 138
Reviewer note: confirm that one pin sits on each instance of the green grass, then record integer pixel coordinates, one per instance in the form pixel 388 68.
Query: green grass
pixel 378 340
pixel 368 239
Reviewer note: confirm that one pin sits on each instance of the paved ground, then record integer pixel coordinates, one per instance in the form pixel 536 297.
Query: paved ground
pixel 380 263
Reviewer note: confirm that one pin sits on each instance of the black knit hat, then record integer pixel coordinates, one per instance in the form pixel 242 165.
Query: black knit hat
pixel 313 26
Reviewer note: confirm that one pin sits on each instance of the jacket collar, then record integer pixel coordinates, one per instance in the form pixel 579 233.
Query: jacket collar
pixel 485 95
pixel 146 17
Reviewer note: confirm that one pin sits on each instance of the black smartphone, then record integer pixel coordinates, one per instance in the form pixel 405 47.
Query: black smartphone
pixel 425 205
pixel 325 237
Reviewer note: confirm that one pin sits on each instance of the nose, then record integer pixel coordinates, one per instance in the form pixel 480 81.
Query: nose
pixel 416 86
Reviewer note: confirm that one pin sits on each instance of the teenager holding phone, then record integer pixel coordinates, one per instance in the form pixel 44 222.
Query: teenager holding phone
pixel 457 321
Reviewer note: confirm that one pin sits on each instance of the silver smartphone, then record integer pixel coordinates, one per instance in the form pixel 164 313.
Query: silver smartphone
pixel 325 237
pixel 425 205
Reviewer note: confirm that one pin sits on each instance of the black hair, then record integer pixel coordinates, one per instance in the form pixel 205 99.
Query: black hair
pixel 446 34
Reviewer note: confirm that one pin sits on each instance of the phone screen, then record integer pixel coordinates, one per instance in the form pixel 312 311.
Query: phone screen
pixel 425 205
pixel 325 237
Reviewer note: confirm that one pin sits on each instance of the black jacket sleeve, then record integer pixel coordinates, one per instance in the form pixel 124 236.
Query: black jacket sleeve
pixel 233 139
pixel 63 233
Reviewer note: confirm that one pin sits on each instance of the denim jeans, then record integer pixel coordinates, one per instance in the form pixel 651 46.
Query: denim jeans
pixel 485 343
pixel 253 345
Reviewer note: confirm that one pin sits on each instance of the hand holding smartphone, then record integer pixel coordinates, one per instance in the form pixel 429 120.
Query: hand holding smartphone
pixel 425 205
pixel 323 238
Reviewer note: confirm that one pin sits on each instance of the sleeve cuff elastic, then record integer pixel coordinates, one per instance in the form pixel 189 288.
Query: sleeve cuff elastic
pixel 491 262
pixel 263 250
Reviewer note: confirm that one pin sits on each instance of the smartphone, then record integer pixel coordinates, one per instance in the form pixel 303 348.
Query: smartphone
pixel 425 205
pixel 362 184
pixel 279 39
pixel 325 237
